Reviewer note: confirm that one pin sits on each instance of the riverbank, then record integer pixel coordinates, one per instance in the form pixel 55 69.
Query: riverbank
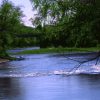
pixel 8 58
pixel 58 50
pixel 3 60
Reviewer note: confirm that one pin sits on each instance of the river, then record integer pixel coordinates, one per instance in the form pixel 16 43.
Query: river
pixel 46 77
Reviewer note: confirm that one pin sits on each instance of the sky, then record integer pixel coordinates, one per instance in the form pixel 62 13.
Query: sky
pixel 26 7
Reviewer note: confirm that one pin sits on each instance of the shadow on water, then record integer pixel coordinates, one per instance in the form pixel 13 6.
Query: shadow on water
pixel 90 78
pixel 77 87
pixel 10 89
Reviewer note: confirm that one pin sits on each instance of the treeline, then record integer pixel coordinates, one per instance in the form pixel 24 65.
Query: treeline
pixel 65 23
pixel 69 23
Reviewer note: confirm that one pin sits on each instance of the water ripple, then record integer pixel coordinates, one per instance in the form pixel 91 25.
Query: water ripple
pixel 93 70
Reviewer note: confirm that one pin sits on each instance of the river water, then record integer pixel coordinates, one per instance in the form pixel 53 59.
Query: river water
pixel 46 77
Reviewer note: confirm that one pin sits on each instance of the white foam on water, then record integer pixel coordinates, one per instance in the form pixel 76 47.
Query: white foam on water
pixel 95 69
pixel 34 74
pixel 58 72
pixel 74 72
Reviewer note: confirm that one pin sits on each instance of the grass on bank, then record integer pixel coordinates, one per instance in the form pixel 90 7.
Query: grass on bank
pixel 58 50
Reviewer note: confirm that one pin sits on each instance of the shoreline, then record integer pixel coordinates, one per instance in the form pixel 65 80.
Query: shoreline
pixel 3 60
pixel 58 50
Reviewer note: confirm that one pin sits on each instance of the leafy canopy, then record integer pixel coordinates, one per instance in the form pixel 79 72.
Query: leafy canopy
pixel 10 18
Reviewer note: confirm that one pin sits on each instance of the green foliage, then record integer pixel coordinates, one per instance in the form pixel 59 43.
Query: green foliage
pixel 58 23
pixel 72 23
pixel 26 36
pixel 58 50
pixel 10 18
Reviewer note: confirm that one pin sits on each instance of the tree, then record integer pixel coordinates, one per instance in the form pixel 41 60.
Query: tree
pixel 53 11
pixel 76 21
pixel 10 18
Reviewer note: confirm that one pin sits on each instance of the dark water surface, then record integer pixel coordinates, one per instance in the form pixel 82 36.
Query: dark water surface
pixel 45 77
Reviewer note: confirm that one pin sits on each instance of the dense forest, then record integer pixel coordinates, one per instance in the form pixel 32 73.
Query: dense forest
pixel 69 23
pixel 58 23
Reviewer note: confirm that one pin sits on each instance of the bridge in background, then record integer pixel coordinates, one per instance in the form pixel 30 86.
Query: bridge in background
pixel 28 35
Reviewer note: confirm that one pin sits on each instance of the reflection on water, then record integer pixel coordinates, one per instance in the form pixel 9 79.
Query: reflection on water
pixel 9 89
pixel 34 78
pixel 83 87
